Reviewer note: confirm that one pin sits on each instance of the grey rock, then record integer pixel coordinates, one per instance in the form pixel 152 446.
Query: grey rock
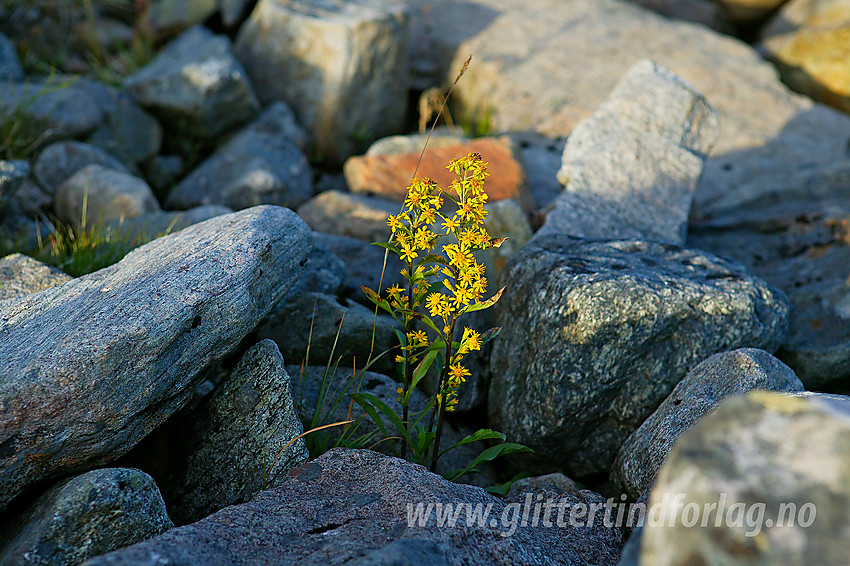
pixel 163 171
pixel 777 464
pixel 630 170
pixel 10 65
pixel 324 273
pixel 12 175
pixel 817 345
pixel 541 158
pixel 30 200
pixel 49 110
pixel 21 275
pixel 341 66
pixel 364 265
pixel 234 437
pixel 232 11
pixel 705 12
pixel 699 393
pixel 278 119
pixel 155 224
pixel 545 65
pixel 361 498
pixel 751 12
pixel 98 194
pixel 555 482
pixel 196 85
pixel 596 334
pixel 93 365
pixel 126 131
pixel 315 319
pixel 59 161
pixel 347 214
pixel 85 516
pixel 505 219
pixel 166 18
pixel 260 165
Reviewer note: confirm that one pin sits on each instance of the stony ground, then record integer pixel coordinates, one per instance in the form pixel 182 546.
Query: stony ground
pixel 673 179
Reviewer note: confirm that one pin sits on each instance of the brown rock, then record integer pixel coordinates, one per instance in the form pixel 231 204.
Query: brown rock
pixel 389 175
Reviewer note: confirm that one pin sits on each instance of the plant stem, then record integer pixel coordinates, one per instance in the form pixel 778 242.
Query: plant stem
pixel 408 366
pixel 442 393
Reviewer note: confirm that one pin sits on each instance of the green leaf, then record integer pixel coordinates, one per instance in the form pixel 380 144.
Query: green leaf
pixel 368 399
pixel 484 304
pixel 434 258
pixel 376 298
pixel 482 434
pixel 489 335
pixel 487 455
pixel 422 368
pixel 388 246
pixel 427 320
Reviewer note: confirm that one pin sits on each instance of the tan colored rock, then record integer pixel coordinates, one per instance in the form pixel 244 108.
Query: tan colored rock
pixel 389 175
pixel 809 41
pixel 345 214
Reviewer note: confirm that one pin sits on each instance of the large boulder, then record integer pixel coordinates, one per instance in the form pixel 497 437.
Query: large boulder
pixel 596 334
pixel 358 506
pixel 84 516
pixel 768 474
pixel 699 393
pixel 90 367
pixel 629 171
pixel 545 65
pixel 341 65
pixel 196 85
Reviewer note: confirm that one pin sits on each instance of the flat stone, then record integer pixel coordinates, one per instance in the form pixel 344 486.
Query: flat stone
pixel 93 365
pixel 195 85
pixel 698 394
pixel 21 275
pixel 629 171
pixel 596 334
pixel 85 516
pixel 389 176
pixel 352 505
pixel 775 468
pixel 340 65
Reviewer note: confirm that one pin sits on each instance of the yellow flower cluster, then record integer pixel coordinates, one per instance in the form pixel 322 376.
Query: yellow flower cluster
pixel 462 277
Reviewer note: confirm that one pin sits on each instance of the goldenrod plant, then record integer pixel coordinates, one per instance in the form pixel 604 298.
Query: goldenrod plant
pixel 443 282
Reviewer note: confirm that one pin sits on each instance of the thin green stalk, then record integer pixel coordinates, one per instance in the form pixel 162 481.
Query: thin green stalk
pixel 442 393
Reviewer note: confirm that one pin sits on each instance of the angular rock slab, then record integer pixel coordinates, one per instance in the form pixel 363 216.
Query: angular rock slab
pixel 92 366
pixel 196 85
pixel 236 435
pixel 85 516
pixel 629 171
pixel 341 65
pixel 753 455
pixel 352 505
pixel 596 334
pixel 699 393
